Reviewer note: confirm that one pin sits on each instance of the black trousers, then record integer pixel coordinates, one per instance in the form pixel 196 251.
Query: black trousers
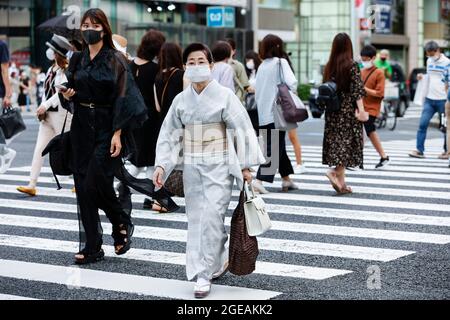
pixel 95 190
pixel 279 160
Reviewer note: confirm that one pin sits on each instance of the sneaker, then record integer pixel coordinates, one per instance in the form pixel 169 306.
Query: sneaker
pixel 259 187
pixel 6 160
pixel 383 163
pixel 443 156
pixel 417 154
pixel 354 168
pixel 301 168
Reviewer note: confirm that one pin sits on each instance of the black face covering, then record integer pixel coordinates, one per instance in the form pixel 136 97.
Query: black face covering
pixel 92 36
pixel 383 59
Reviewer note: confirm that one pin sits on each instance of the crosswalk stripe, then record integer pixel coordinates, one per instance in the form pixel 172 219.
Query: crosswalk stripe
pixel 13 297
pixel 262 267
pixel 281 226
pixel 272 208
pixel 293 246
pixel 121 282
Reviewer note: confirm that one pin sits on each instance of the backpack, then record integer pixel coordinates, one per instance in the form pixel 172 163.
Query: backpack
pixel 328 98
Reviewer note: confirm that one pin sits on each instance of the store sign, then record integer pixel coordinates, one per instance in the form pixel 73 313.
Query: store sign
pixel 221 17
pixel 383 16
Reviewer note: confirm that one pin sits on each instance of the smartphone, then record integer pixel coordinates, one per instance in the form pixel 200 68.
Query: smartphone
pixel 61 87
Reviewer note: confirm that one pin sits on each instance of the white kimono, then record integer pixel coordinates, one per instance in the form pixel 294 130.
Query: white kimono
pixel 208 175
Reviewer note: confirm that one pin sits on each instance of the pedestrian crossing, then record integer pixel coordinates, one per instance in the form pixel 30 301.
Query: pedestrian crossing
pixel 317 237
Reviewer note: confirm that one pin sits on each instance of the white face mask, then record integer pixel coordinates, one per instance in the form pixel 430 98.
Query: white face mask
pixel 198 73
pixel 50 54
pixel 367 64
pixel 69 54
pixel 250 65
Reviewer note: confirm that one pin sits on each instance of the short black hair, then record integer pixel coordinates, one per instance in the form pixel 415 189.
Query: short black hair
pixel 432 46
pixel 151 44
pixel 197 47
pixel 369 51
pixel 221 51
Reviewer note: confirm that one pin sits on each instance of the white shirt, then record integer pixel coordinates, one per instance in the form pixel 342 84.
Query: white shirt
pixel 223 73
pixel 267 79
pixel 435 73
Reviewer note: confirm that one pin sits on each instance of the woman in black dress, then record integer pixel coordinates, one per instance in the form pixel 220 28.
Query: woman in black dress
pixel 106 104
pixel 343 138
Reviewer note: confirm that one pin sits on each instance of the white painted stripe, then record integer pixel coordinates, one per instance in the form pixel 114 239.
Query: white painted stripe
pixel 118 282
pixel 262 267
pixel 272 208
pixel 166 234
pixel 367 180
pixel 297 227
pixel 12 297
pixel 412 162
pixel 442 170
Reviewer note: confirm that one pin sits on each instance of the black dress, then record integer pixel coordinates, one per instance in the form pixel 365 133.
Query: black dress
pixel 174 84
pixel 22 98
pixel 146 136
pixel 106 82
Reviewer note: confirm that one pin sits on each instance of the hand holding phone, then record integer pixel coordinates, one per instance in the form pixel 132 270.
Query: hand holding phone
pixel 61 87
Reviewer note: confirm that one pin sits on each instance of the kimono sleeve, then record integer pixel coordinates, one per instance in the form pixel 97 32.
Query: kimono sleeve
pixel 169 146
pixel 245 141
pixel 130 111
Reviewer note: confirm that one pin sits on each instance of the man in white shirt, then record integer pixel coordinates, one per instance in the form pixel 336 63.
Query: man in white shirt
pixel 436 95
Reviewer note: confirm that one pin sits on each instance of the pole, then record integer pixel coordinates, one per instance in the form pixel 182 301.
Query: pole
pixel 353 24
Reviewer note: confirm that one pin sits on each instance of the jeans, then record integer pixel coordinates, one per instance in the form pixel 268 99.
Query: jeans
pixel 430 107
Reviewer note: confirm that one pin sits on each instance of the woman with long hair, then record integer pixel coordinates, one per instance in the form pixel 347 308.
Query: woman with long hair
pixel 106 106
pixel 50 112
pixel 343 137
pixel 267 80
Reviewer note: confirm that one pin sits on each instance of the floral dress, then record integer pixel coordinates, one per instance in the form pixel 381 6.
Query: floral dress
pixel 343 137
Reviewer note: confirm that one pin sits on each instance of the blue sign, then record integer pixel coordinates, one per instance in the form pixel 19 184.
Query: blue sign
pixel 220 17
pixel 384 23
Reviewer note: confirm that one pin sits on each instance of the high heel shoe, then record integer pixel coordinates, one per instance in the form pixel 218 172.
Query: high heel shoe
pixel 288 185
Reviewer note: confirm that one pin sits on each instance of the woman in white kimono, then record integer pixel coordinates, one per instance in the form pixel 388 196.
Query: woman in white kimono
pixel 209 133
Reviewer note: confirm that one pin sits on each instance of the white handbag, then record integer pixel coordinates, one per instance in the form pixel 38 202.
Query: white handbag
pixel 256 217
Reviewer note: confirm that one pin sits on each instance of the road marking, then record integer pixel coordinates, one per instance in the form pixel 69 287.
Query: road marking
pixel 119 282
pixel 262 267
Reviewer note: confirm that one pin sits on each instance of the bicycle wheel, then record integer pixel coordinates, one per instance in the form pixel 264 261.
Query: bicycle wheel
pixel 391 114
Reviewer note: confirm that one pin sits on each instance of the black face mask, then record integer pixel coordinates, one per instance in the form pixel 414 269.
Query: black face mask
pixel 383 59
pixel 92 36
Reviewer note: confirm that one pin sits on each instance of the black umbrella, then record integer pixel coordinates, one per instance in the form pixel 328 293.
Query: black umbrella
pixel 62 25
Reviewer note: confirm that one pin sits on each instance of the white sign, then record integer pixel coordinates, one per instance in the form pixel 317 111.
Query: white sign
pixel 233 3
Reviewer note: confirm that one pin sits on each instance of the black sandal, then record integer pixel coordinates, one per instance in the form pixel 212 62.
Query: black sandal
pixel 89 257
pixel 122 239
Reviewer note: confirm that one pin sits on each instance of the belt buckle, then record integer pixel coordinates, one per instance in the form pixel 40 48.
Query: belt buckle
pixel 91 105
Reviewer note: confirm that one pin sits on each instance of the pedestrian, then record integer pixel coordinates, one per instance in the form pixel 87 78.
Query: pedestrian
pixel 106 106
pixel 300 168
pixel 435 96
pixel 241 84
pixel 222 72
pixel 145 67
pixel 384 63
pixel 343 136
pixel 446 80
pixel 267 80
pixel 50 111
pixel 374 82
pixel 24 91
pixel 211 118
pixel 252 63
pixel 7 155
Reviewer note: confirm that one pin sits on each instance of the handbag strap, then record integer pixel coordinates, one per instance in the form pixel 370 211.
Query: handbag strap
pixel 165 86
pixel 247 191
pixel 280 71
pixel 367 78
pixel 64 125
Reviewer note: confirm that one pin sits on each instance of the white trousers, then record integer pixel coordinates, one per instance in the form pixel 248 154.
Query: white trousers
pixel 48 129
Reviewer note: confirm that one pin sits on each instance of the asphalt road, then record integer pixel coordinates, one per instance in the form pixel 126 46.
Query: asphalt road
pixel 388 240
